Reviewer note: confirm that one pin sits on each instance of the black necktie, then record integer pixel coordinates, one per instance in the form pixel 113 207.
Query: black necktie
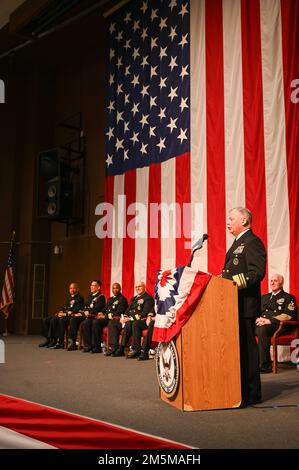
pixel 233 246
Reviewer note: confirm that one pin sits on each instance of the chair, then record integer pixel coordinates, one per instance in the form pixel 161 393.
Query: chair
pixel 79 336
pixel 284 339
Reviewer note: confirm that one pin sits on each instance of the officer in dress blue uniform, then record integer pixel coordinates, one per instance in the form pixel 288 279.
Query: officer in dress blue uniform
pixel 74 306
pixel 245 263
pixel 135 321
pixel 53 327
pixel 111 315
pixel 276 306
pixel 94 305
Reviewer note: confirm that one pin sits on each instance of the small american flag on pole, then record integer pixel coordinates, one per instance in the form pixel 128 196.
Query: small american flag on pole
pixel 7 297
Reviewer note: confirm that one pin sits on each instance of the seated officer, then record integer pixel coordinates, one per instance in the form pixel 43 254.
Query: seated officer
pixel 94 305
pixel 111 315
pixel 53 327
pixel 141 306
pixel 90 306
pixel 75 305
pixel 275 307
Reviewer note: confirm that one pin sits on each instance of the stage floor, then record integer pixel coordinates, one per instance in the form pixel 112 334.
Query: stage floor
pixel 125 392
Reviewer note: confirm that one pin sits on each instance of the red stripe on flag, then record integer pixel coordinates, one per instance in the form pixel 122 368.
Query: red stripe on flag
pixel 183 196
pixel 6 296
pixel 255 180
pixel 154 222
pixel 70 431
pixel 10 280
pixel 290 54
pixel 107 251
pixel 129 242
pixel 216 210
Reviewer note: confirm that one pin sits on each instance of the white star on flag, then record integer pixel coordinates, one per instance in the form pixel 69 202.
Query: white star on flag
pixel 183 104
pixel 184 10
pixel 135 108
pixel 119 144
pixel 143 148
pixel 154 14
pixel 161 144
pixel 183 41
pixel 172 124
pixel 173 63
pixel 182 135
pixel 184 72
pixel 109 160
pixel 144 120
pixel 162 113
pixel 110 133
pixel 135 137
pixel 173 33
pixel 173 93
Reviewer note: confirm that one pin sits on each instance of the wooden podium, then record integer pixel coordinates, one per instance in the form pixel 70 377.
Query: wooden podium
pixel 208 352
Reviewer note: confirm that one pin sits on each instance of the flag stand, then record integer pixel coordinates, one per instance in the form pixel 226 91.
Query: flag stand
pixel 6 330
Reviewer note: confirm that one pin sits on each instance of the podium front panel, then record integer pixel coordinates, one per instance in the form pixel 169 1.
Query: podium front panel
pixel 208 349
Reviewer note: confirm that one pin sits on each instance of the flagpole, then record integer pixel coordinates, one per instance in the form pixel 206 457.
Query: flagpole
pixel 116 7
pixel 12 238
pixel 6 318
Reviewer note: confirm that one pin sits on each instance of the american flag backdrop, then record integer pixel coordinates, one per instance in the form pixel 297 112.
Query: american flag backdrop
pixel 7 296
pixel 199 110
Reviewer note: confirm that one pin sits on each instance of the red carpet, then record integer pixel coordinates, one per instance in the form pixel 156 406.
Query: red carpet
pixel 70 431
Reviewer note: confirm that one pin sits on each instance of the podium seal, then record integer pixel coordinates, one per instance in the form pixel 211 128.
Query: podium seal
pixel 167 367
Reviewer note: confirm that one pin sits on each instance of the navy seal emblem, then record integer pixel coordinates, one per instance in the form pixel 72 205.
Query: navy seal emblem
pixel 167 367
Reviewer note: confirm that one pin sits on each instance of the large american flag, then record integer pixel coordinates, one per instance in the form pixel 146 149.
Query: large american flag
pixel 7 296
pixel 199 109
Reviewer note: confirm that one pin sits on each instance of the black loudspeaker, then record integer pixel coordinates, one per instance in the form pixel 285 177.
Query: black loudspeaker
pixel 55 198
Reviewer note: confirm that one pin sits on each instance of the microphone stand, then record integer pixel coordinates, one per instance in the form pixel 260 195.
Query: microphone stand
pixel 196 247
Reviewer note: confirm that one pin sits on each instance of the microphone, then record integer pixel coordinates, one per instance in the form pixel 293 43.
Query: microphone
pixel 197 246
pixel 199 243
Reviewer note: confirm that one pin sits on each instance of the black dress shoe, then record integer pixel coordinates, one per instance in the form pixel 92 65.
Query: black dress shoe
pixel 111 352
pixel 118 353
pixel 96 350
pixel 255 401
pixel 44 344
pixel 250 402
pixel 57 346
pixel 133 355
pixel 266 370
pixel 51 344
pixel 143 357
pixel 72 348
pixel 86 349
